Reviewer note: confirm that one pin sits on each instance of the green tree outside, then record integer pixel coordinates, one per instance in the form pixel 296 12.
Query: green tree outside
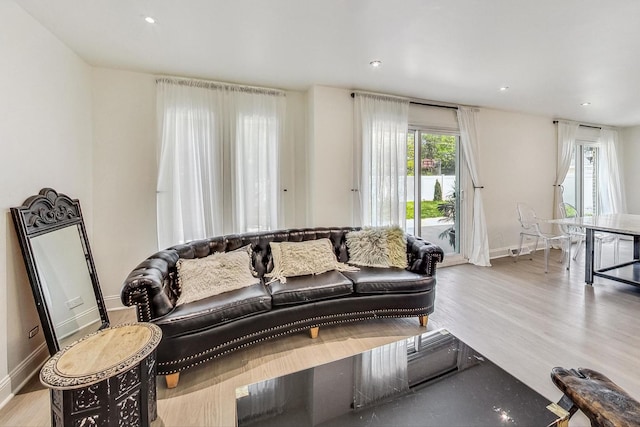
pixel 437 192
pixel 439 148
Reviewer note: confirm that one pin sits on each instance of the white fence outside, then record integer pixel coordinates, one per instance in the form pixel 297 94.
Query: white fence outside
pixel 428 184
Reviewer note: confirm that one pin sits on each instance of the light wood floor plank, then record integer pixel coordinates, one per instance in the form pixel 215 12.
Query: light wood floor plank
pixel 516 315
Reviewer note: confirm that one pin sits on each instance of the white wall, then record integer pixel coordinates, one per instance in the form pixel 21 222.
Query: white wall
pixel 630 153
pixel 46 137
pixel 331 165
pixel 517 164
pixel 124 175
pixel 295 174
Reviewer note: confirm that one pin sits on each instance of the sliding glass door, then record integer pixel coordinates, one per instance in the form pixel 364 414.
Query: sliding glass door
pixel 581 184
pixel 433 202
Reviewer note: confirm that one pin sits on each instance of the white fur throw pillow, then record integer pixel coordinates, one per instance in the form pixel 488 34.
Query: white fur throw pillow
pixel 300 258
pixel 378 247
pixel 217 273
pixel 368 248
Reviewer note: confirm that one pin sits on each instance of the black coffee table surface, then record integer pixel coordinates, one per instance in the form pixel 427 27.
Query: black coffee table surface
pixel 433 379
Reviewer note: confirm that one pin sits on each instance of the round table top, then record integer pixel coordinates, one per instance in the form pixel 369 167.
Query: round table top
pixel 100 355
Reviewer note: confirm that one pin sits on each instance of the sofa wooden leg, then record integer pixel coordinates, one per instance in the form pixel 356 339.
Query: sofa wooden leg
pixel 313 332
pixel 423 320
pixel 172 380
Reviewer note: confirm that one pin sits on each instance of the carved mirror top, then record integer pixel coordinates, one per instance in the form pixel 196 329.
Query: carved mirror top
pixel 49 210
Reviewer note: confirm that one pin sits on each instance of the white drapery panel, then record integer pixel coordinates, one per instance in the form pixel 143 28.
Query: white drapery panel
pixel 380 160
pixel 218 163
pixel 255 151
pixel 379 373
pixel 566 152
pixel 611 187
pixel 477 241
pixel 190 181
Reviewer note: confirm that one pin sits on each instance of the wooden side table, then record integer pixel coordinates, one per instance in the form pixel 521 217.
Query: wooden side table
pixel 107 378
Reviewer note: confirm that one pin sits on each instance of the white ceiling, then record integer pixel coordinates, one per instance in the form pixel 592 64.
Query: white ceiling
pixel 553 54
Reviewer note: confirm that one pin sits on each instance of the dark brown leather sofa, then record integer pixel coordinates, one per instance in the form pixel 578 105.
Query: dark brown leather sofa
pixel 196 332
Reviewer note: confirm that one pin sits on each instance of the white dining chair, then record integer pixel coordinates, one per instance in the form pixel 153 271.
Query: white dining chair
pixel 531 228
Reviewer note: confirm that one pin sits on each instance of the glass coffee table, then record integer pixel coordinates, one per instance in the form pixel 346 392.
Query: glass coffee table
pixel 433 379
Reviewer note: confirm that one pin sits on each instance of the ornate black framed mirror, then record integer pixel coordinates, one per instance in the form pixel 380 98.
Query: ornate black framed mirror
pixel 56 252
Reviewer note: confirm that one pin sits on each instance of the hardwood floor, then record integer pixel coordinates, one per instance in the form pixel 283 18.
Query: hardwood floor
pixel 524 320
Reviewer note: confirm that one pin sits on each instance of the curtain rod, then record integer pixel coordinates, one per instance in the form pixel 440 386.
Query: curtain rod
pixel 555 122
pixel 210 84
pixel 353 95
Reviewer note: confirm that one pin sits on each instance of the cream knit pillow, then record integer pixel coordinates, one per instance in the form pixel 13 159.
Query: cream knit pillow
pixel 217 273
pixel 300 258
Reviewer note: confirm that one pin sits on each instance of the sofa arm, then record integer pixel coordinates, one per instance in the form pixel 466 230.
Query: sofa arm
pixel 148 287
pixel 422 256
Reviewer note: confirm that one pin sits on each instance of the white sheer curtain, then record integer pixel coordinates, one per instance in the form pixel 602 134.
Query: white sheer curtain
pixel 218 163
pixel 255 166
pixel 477 241
pixel 566 151
pixel 190 181
pixel 611 186
pixel 380 157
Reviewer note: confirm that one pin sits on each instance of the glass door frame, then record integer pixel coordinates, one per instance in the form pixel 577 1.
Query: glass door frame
pixel 578 161
pixel 417 131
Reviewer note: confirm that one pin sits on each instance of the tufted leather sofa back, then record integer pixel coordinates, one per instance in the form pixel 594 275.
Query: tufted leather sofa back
pixel 259 241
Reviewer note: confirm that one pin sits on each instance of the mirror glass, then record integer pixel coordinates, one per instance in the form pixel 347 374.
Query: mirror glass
pixel 66 284
pixel 60 267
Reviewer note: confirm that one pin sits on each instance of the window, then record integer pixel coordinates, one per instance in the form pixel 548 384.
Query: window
pixel 580 187
pixel 433 205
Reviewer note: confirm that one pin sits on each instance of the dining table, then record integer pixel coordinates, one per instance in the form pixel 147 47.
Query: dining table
pixel 621 224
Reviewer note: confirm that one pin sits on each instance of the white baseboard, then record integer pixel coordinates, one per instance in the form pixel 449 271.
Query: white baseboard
pixel 113 303
pixel 5 391
pixel 22 373
pixel 506 251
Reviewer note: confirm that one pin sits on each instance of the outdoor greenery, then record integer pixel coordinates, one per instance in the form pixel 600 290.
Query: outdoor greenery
pixel 440 148
pixel 428 209
pixel 437 192
pixel 447 210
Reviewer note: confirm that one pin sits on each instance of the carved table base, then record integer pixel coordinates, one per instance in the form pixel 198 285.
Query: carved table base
pixel 128 399
pixel 106 379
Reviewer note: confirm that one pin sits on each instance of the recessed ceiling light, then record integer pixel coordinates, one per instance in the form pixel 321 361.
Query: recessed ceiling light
pixel 504 88
pixel 376 64
pixel 585 104
pixel 150 20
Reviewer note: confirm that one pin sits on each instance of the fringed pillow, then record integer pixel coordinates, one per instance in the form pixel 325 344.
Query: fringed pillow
pixel 292 259
pixel 217 273
pixel 378 247
pixel 397 246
